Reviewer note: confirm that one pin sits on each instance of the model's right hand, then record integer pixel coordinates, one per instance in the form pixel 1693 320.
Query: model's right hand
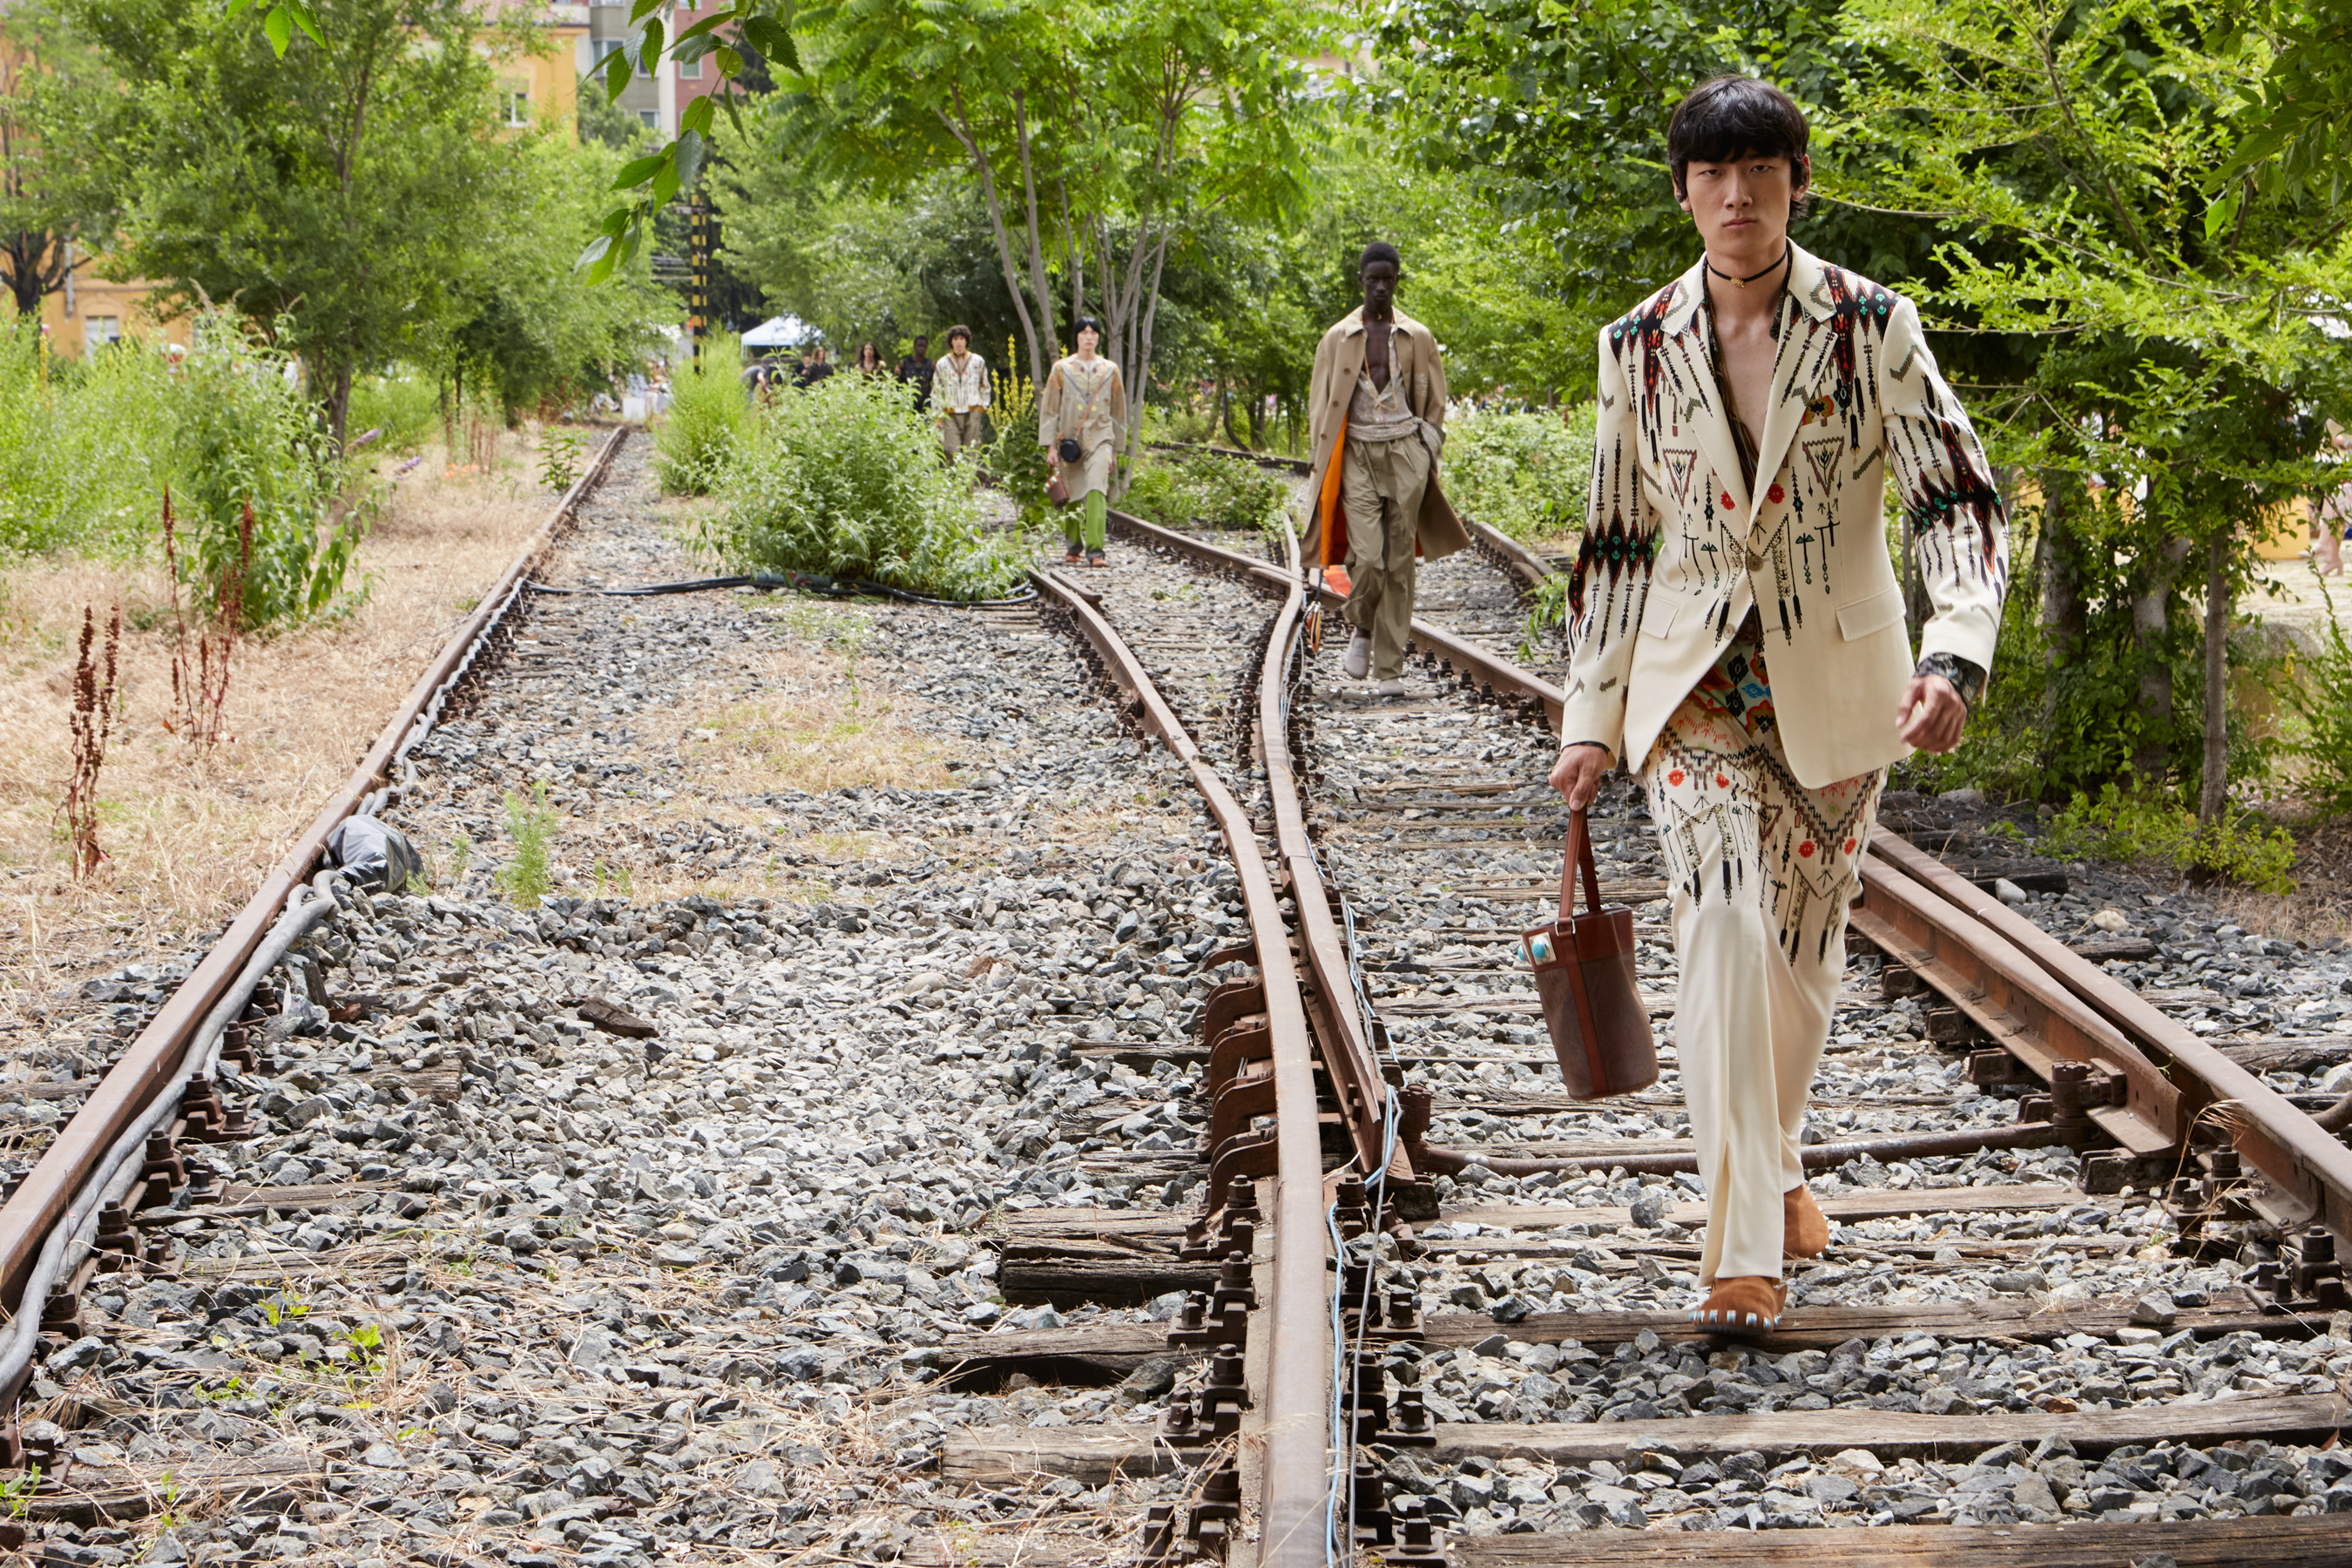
pixel 1576 776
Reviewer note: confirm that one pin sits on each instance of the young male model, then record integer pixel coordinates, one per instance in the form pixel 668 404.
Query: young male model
pixel 960 381
pixel 1736 634
pixel 1376 411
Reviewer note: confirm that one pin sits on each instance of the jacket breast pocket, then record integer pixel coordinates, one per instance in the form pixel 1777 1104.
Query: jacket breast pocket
pixel 1658 613
pixel 1872 613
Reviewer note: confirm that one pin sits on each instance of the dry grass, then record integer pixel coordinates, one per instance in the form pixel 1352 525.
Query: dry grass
pixel 189 833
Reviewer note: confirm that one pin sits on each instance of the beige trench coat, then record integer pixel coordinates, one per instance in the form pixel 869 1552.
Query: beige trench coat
pixel 1062 410
pixel 1339 360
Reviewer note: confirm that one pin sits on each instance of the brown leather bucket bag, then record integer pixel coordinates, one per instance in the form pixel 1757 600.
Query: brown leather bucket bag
pixel 1585 975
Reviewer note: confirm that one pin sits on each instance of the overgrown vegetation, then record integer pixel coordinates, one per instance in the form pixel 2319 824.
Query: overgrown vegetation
pixel 1014 461
pixel 708 424
pixel 845 478
pixel 1526 474
pixel 2123 825
pixel 530 826
pixel 88 452
pixel 1205 490
pixel 2319 695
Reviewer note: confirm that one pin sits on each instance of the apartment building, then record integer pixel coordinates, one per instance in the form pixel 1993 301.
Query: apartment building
pixel 657 97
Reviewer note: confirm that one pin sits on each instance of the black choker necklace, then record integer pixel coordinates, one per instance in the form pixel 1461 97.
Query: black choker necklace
pixel 1752 277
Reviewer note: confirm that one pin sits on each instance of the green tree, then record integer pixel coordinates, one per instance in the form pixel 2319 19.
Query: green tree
pixel 2061 150
pixel 336 191
pixel 40 218
pixel 1098 137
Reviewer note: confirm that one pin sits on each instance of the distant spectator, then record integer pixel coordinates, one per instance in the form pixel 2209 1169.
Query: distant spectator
pixel 817 369
pixel 2331 515
pixel 869 360
pixel 961 380
pixel 917 368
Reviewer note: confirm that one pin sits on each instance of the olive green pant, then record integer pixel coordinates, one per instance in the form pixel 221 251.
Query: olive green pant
pixel 1088 518
pixel 1380 484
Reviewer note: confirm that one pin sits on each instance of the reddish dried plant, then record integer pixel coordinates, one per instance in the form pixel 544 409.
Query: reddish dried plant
pixel 200 680
pixel 94 694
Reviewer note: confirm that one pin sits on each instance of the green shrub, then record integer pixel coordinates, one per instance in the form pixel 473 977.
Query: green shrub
pixel 2127 826
pixel 247 437
pixel 1526 474
pixel 402 404
pixel 86 453
pixel 85 449
pixel 709 422
pixel 1203 489
pixel 2319 695
pixel 845 478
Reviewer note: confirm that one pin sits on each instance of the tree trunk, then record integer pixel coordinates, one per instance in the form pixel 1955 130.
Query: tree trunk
pixel 2213 798
pixel 2151 620
pixel 338 403
pixel 2065 617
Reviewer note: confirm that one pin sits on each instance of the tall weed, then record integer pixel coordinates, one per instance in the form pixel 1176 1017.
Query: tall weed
pixel 1015 461
pixel 709 423
pixel 845 478
pixel 1528 475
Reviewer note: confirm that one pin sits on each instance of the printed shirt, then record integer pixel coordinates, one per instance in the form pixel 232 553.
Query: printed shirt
pixel 958 391
pixel 1380 414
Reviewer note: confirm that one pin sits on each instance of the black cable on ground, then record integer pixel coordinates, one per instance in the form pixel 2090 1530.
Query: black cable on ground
pixel 802 582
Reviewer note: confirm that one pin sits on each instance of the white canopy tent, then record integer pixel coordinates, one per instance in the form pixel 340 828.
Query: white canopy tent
pixel 780 332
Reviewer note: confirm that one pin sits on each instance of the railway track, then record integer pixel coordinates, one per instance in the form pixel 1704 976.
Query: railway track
pixel 1220 1047
pixel 2062 1219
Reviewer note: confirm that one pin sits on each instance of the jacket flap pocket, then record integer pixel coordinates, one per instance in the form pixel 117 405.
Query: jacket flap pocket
pixel 1658 612
pixel 1866 615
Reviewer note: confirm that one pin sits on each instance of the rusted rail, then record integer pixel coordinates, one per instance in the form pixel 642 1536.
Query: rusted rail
pixel 153 1064
pixel 1295 1466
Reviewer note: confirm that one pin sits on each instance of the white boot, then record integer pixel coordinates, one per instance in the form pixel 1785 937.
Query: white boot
pixel 1389 689
pixel 1359 662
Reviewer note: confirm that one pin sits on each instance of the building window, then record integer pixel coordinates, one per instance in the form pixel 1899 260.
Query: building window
pixel 649 118
pixel 607 48
pixel 98 331
pixel 514 103
pixel 690 71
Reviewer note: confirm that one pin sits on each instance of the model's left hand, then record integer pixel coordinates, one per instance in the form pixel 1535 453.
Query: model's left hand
pixel 1932 714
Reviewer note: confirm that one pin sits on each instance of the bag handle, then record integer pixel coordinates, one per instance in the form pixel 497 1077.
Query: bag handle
pixel 1579 853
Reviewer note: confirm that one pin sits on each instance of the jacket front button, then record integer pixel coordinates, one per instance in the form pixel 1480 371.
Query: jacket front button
pixel 1755 562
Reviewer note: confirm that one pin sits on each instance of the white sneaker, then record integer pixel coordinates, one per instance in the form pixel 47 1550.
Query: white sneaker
pixel 1359 662
pixel 1389 689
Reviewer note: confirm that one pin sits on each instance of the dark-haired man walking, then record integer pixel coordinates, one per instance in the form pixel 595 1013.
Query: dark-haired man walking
pixel 1737 638
pixel 1376 411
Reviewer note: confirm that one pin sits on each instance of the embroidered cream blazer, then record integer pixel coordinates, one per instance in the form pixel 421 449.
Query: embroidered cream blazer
pixel 1675 549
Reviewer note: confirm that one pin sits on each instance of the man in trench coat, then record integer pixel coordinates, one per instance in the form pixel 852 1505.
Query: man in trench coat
pixel 1377 417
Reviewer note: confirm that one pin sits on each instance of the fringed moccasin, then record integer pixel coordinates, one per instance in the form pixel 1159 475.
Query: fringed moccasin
pixel 1804 1230
pixel 1742 1305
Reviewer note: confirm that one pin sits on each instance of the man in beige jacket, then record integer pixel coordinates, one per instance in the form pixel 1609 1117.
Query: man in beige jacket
pixel 1736 639
pixel 1376 410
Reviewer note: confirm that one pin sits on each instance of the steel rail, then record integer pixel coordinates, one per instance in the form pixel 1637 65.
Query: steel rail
pixel 2302 1158
pixel 1488 671
pixel 1295 1463
pixel 151 1064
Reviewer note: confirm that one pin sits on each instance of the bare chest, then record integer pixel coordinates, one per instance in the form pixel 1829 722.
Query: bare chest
pixel 1749 353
